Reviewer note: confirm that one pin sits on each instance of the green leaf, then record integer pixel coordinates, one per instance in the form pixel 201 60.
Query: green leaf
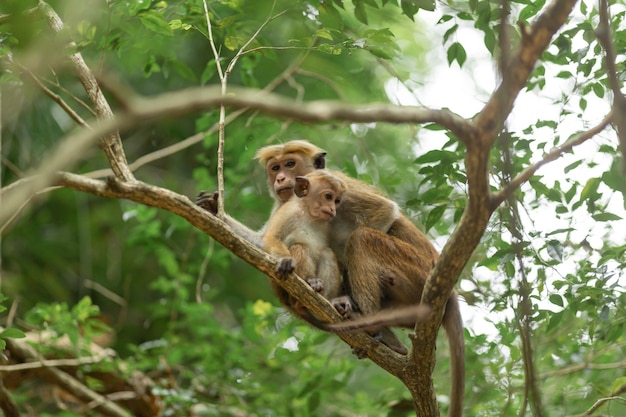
pixel 434 216
pixel 422 4
pixel 457 53
pixel 606 217
pixel 490 40
pixel 359 11
pixel 12 333
pixel 572 166
pixel 555 319
pixel 614 333
pixel 209 71
pixel 138 5
pixel 590 189
pixel 618 382
pixel 598 89
pixel 324 34
pixel 452 30
pixel 436 156
pixel 155 22
pixel 555 250
pixel 556 299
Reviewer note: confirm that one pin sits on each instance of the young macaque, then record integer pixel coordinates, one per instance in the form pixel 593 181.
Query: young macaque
pixel 298 232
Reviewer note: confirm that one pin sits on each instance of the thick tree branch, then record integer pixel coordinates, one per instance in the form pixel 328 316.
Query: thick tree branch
pixel 174 104
pixel 479 139
pixel 182 206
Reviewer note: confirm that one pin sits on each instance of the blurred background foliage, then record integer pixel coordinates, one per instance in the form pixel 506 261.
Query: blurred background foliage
pixel 203 324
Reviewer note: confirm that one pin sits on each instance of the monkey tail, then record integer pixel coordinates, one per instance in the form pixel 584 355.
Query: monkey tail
pixel 391 317
pixel 453 324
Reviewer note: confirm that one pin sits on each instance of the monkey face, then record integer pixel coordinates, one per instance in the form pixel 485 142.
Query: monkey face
pixel 323 204
pixel 282 171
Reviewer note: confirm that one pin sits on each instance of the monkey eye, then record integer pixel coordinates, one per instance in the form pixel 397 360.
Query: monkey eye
pixel 328 196
pixel 275 167
pixel 337 201
pixel 290 164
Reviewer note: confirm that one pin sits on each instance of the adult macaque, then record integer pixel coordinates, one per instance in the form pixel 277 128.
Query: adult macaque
pixel 298 234
pixel 282 163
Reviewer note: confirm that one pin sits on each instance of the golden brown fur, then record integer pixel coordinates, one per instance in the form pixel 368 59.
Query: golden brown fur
pixel 298 233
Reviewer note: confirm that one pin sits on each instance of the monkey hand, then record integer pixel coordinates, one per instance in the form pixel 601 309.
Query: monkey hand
pixel 285 267
pixel 316 283
pixel 208 201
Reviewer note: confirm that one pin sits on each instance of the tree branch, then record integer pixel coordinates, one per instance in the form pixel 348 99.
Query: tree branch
pixel 619 100
pixel 24 351
pixel 174 104
pixel 552 155
pixel 182 206
pixel 111 144
pixel 535 40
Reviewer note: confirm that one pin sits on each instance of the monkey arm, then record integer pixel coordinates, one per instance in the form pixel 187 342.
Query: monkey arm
pixel 365 205
pixel 208 201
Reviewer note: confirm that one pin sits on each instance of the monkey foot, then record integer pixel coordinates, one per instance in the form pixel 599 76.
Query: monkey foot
pixel 359 353
pixel 285 267
pixel 208 201
pixel 387 338
pixel 316 283
pixel 343 305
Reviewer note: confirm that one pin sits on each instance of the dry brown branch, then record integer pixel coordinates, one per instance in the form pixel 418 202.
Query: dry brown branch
pixel 47 363
pixel 23 351
pixel 112 143
pixel 55 97
pixel 174 104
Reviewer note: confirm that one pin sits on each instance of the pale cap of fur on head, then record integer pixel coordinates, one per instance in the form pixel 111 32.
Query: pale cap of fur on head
pixel 295 146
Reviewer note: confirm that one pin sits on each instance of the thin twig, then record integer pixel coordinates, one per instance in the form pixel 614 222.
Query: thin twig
pixel 47 363
pixel 220 136
pixel 224 84
pixel 552 155
pixel 55 97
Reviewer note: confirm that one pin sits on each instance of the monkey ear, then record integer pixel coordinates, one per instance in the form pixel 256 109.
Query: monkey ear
pixel 301 189
pixel 319 160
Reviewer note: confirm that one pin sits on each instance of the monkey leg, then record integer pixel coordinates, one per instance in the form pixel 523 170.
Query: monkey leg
pixel 328 272
pixel 305 269
pixel 383 271
pixel 305 265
